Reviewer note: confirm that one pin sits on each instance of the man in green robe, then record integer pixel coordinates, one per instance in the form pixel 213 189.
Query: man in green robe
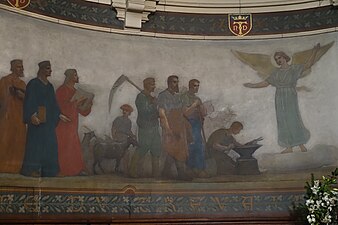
pixel 148 129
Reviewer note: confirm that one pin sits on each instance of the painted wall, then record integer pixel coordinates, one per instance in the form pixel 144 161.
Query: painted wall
pixel 101 58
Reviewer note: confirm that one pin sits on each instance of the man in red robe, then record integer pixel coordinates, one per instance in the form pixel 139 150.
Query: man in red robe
pixel 69 147
pixel 12 128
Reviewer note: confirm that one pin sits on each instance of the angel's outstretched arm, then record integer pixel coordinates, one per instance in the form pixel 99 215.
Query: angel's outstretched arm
pixel 261 84
pixel 312 58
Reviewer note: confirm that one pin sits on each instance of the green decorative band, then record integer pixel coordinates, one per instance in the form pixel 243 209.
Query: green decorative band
pixel 102 15
pixel 262 23
pixel 77 11
pixel 25 203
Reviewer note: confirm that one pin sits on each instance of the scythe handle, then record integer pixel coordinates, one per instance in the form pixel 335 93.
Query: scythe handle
pixel 132 83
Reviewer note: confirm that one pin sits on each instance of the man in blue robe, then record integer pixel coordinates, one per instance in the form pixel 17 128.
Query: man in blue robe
pixel 195 112
pixel 41 113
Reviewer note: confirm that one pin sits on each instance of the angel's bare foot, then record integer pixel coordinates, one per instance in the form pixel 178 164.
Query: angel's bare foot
pixel 287 150
pixel 302 148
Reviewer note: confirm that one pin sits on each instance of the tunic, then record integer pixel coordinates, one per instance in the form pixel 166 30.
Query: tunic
pixel 196 147
pixel 13 130
pixel 147 121
pixel 225 165
pixel 123 128
pixel 69 147
pixel 291 130
pixel 175 145
pixel 41 153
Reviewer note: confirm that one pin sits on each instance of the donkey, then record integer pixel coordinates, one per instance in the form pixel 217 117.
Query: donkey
pixel 111 150
pixel 87 137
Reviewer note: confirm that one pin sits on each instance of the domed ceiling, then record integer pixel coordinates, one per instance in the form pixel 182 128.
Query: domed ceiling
pixel 230 6
pixel 192 19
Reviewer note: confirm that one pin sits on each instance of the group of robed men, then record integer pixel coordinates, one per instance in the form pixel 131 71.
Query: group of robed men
pixel 40 126
pixel 181 118
pixel 47 143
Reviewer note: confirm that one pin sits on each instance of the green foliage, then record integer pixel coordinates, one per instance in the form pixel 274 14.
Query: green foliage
pixel 321 199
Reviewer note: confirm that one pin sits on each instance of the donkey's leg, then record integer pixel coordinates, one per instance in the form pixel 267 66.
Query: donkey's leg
pixel 100 166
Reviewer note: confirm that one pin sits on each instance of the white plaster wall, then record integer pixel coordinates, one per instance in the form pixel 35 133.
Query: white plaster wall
pixel 101 58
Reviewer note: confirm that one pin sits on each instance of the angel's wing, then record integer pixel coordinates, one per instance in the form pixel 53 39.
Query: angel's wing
pixel 259 62
pixel 302 57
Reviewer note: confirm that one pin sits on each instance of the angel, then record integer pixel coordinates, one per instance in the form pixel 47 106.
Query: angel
pixel 291 129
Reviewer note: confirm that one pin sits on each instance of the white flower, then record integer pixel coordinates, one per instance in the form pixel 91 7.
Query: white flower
pixel 314 190
pixel 327 218
pixel 309 202
pixel 321 200
pixel 316 183
pixel 311 218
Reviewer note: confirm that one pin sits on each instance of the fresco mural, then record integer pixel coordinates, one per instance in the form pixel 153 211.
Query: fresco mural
pixel 12 93
pixel 163 110
pixel 72 102
pixel 169 125
pixel 291 130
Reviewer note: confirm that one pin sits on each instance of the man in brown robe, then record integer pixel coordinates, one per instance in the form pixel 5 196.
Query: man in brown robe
pixel 173 123
pixel 13 130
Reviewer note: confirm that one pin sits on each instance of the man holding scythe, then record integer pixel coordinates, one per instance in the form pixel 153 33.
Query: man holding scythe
pixel 147 120
pixel 148 129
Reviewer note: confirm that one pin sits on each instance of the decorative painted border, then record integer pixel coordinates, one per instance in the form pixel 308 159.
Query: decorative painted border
pixel 27 203
pixel 83 12
pixel 263 23
pixel 101 17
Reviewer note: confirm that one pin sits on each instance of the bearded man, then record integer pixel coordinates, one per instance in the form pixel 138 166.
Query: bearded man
pixel 173 123
pixel 69 146
pixel 148 129
pixel 41 113
pixel 13 130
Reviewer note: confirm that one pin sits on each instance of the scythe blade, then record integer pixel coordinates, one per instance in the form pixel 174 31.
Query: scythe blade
pixel 117 83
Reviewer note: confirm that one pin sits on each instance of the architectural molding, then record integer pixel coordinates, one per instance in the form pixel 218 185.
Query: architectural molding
pixel 274 23
pixel 99 16
pixel 236 6
pixel 134 12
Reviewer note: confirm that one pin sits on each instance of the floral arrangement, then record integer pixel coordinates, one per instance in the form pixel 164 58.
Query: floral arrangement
pixel 321 197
